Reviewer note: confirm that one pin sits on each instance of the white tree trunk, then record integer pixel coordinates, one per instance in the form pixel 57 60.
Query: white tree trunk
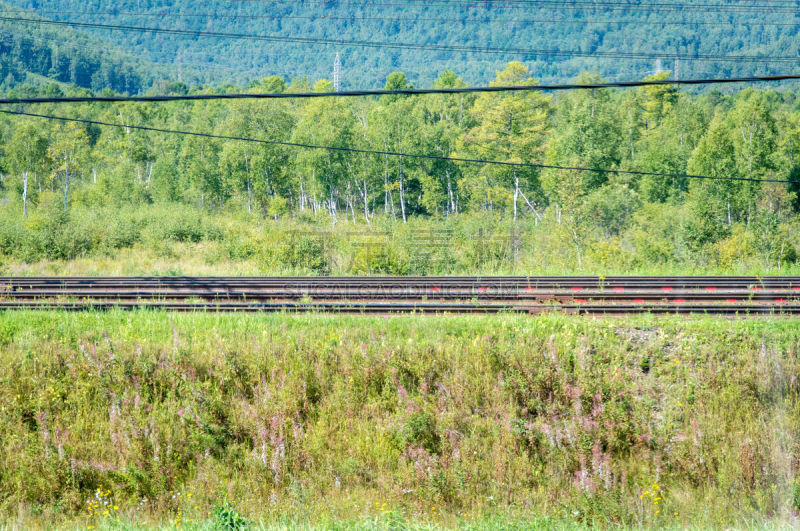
pixel 366 202
pixel 402 192
pixel 66 180
pixel 25 194
pixel 332 206
pixel 450 193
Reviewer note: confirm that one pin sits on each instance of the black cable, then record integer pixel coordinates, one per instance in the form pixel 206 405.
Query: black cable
pixel 749 22
pixel 411 46
pixel 400 92
pixel 544 4
pixel 393 153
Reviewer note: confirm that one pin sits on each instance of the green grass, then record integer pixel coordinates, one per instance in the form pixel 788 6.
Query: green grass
pixel 370 422
pixel 176 239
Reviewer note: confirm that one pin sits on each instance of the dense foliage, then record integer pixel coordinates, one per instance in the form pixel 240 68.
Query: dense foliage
pixel 731 28
pixel 54 172
pixel 30 54
pixel 312 419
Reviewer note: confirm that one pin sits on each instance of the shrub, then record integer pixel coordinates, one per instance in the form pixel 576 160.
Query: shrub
pixel 379 259
pixel 420 430
pixel 226 517
pixel 305 253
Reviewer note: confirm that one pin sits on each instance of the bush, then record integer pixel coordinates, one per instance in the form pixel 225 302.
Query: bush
pixel 420 430
pixel 305 253
pixel 183 225
pixel 226 517
pixel 378 259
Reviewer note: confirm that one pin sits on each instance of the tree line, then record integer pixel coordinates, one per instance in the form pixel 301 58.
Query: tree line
pixel 747 134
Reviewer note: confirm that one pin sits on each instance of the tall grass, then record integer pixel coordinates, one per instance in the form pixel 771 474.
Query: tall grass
pixel 181 239
pixel 448 421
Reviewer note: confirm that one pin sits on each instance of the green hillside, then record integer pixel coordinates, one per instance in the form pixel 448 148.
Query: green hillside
pixel 40 55
pixel 658 31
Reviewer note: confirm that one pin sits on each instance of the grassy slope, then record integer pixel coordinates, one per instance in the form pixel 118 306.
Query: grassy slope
pixel 444 420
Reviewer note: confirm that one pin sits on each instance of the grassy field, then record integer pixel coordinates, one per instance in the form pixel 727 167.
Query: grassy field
pixel 125 419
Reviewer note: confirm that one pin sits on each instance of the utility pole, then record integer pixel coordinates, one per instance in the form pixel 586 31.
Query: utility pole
pixel 337 68
pixel 675 70
pixel 658 66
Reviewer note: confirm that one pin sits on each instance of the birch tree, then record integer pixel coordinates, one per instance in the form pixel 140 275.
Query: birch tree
pixel 27 152
pixel 69 150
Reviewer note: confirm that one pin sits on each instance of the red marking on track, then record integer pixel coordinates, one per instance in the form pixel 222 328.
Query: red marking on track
pixel 796 288
pixel 618 288
pixel 780 301
pixel 679 301
pixel 731 300
pixel 530 288
pixel 435 288
pixel 483 288
pixel 666 288
pixel 580 301
pixel 576 288
pixel 638 301
pixel 756 288
pixel 711 288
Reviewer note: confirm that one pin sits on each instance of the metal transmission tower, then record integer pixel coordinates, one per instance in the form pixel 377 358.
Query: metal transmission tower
pixel 337 68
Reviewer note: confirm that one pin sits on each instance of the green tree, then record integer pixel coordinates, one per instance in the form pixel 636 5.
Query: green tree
pixel 68 149
pixel 657 100
pixel 713 201
pixel 586 133
pixel 330 122
pixel 27 152
pixel 754 133
pixel 512 128
pixel 394 125
pixel 667 149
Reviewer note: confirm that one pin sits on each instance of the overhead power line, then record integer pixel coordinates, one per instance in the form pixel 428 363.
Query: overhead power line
pixel 551 5
pixel 411 46
pixel 749 22
pixel 399 92
pixel 393 153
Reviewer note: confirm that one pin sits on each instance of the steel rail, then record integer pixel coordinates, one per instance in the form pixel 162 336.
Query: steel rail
pixel 409 293
pixel 742 295
pixel 535 282
pixel 388 308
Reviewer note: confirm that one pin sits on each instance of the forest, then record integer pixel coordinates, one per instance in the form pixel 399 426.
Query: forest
pixel 557 40
pixel 73 189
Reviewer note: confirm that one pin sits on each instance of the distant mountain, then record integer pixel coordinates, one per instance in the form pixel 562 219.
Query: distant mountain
pixel 605 32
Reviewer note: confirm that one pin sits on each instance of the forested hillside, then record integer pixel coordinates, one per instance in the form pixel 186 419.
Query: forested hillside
pixel 39 55
pixel 558 39
pixel 731 212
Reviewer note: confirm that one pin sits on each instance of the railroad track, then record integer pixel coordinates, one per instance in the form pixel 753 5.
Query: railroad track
pixel 608 295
